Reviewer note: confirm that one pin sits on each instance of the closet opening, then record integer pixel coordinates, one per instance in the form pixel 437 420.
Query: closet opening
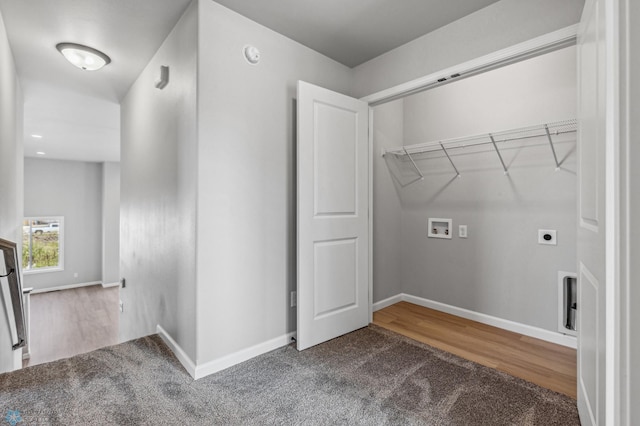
pixel 495 154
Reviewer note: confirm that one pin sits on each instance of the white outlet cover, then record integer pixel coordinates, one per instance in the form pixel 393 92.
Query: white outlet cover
pixel 439 228
pixel 462 231
pixel 547 237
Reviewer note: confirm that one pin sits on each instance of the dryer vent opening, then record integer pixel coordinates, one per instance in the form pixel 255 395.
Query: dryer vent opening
pixel 567 303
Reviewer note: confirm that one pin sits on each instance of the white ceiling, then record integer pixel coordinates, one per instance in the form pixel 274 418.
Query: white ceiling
pixel 77 112
pixel 354 31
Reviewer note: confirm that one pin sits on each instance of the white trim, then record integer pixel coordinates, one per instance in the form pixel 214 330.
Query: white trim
pixel 108 285
pixel 65 287
pixel 177 351
pixel 387 302
pixel 216 365
pixel 370 216
pixel 537 45
pixel 612 214
pixel 524 329
pixel 43 270
pixel 60 266
pixel 230 360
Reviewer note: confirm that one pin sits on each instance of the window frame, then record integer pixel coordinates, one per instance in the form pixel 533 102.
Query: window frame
pixel 60 266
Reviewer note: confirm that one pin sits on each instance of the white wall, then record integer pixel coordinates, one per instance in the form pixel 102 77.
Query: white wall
pixel 246 181
pixel 11 165
pixel 499 270
pixel 158 187
pixel 223 200
pixel 110 222
pixel 495 27
pixel 388 122
pixel 72 189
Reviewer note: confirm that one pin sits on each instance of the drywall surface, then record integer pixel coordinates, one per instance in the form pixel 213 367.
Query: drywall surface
pixel 158 184
pixel 72 189
pixel 500 269
pixel 388 129
pixel 110 222
pixel 495 27
pixel 246 178
pixel 11 181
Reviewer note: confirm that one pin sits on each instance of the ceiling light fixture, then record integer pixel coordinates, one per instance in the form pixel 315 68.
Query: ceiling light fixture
pixel 40 153
pixel 83 57
pixel 36 136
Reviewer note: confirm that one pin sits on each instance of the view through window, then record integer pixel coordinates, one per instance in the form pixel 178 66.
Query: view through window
pixel 42 244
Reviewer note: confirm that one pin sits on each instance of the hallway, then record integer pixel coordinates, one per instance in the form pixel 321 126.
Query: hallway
pixel 70 322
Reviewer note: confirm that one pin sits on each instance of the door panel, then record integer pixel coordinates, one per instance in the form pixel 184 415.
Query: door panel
pixel 591 250
pixel 333 216
pixel 335 160
pixel 336 276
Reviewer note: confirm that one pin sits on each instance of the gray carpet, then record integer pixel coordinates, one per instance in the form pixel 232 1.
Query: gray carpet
pixel 368 377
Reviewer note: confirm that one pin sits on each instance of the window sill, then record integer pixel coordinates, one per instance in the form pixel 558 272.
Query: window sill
pixel 42 270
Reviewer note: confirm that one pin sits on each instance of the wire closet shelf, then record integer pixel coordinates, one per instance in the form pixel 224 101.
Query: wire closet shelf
pixel 546 130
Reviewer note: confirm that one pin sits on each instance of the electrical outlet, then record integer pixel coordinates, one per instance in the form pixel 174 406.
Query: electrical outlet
pixel 121 306
pixel 75 275
pixel 548 237
pixel 462 231
pixel 294 299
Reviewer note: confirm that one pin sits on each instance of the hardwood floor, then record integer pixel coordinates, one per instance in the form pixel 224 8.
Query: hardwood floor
pixel 70 322
pixel 545 364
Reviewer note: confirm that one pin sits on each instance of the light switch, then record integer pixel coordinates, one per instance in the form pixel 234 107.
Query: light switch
pixel 462 231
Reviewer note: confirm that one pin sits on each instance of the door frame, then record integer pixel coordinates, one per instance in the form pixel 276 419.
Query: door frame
pixel 539 45
pixel 545 43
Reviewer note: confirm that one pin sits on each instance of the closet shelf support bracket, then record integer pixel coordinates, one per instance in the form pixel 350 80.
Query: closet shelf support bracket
pixel 415 166
pixel 553 149
pixel 493 141
pixel 450 160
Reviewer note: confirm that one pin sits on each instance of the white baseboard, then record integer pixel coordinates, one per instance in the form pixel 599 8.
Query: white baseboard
pixel 70 286
pixel 527 330
pixel 65 287
pixel 387 302
pixel 182 356
pixel 236 358
pixel 216 365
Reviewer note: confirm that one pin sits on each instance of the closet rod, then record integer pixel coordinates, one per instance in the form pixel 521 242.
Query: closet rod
pixel 548 130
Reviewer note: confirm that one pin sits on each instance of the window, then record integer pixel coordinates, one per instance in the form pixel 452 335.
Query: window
pixel 42 244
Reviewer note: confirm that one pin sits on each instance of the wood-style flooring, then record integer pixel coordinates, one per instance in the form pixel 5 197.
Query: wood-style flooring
pixel 545 364
pixel 70 322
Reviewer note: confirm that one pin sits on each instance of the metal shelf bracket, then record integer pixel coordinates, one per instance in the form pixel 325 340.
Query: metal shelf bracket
pixel 450 160
pixel 415 166
pixel 493 141
pixel 553 149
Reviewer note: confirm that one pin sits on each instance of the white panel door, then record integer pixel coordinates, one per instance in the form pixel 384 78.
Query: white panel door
pixel 592 283
pixel 333 215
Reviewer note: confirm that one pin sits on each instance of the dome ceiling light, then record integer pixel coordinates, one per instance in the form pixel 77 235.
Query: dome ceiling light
pixel 83 57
